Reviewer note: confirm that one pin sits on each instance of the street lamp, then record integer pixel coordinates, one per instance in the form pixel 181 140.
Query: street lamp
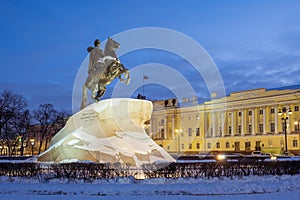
pixel 32 144
pixel 284 118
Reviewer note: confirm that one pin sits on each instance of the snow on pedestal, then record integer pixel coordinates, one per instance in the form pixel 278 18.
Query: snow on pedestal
pixel 109 131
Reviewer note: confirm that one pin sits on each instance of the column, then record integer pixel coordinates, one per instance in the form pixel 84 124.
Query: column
pixel 173 126
pixel 152 127
pixel 222 123
pixel 214 118
pixel 232 122
pixel 289 121
pixel 206 124
pixel 253 121
pixel 276 119
pixel 165 128
pixel 242 122
pixel 264 120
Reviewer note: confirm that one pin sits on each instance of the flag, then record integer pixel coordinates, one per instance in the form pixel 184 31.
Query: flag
pixel 146 77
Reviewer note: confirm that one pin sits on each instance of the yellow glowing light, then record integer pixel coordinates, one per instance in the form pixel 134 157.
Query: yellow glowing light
pixel 221 157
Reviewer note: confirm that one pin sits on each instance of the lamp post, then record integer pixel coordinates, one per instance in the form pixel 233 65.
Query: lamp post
pixel 284 113
pixel 32 144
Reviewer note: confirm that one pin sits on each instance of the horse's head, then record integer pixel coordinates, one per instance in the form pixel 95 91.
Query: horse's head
pixel 112 44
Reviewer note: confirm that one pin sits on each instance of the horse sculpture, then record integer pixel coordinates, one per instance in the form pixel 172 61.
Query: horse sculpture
pixel 97 80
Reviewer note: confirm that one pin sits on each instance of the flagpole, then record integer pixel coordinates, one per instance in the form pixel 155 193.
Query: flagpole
pixel 144 78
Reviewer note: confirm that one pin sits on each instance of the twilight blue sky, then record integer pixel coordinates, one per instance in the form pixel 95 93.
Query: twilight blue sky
pixel 254 43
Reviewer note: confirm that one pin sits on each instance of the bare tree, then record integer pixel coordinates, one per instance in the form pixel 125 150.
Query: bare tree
pixel 59 123
pixel 62 117
pixel 50 121
pixel 11 105
pixel 21 125
pixel 46 116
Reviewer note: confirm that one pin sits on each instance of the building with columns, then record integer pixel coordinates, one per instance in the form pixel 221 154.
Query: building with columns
pixel 243 122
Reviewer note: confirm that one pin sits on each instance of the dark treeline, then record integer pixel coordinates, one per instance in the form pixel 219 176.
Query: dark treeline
pixel 90 172
pixel 17 123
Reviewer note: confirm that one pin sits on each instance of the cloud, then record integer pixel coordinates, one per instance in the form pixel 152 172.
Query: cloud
pixel 274 65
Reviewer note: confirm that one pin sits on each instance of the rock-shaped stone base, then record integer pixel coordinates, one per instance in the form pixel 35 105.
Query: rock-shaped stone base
pixel 109 131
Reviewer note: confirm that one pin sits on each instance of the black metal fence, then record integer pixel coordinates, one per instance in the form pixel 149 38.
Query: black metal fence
pixel 93 171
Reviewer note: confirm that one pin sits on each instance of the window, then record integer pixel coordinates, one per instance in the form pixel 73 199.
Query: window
pixel 168 147
pixel 211 131
pixel 190 146
pixel 239 129
pixel 227 145
pixel 240 114
pixel 190 132
pixel 296 108
pixel 229 130
pixel 250 112
pixel 257 145
pixel 220 133
pixel 208 145
pixel 272 127
pixel 270 143
pixel 297 127
pixel 182 146
pixel 197 131
pixel 218 145
pixel 198 145
pixel 261 128
pixel 237 146
pixel 162 133
pixel 247 146
pixel 261 112
pixel 250 128
pixel 295 143
pixel 272 110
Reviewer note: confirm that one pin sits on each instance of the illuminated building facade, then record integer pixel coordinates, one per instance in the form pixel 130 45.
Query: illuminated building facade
pixel 243 122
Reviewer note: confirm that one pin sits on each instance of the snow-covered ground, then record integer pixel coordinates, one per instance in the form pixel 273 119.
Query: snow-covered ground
pixel 247 188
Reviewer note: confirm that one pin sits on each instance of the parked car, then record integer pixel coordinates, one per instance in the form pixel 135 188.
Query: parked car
pixel 256 153
pixel 229 157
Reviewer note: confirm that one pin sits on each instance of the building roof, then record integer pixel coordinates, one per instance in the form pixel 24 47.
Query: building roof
pixel 291 87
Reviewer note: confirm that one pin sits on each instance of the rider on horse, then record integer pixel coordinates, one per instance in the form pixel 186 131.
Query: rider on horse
pixel 95 54
pixel 103 69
